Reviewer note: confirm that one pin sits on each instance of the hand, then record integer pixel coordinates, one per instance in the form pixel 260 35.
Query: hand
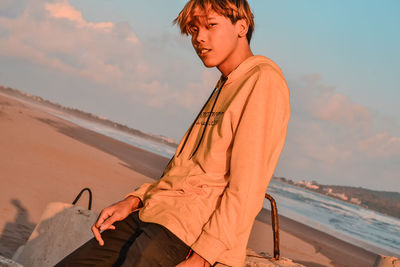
pixel 114 213
pixel 194 261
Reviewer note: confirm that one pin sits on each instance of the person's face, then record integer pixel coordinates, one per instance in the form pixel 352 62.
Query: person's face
pixel 214 38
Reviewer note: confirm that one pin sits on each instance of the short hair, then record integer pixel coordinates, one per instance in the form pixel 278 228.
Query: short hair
pixel 233 9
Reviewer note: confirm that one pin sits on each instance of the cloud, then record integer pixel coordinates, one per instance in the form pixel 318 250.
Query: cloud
pixel 323 102
pixel 199 90
pixel 11 8
pixel 338 108
pixel 64 10
pixel 333 139
pixel 381 145
pixel 153 89
pixel 56 35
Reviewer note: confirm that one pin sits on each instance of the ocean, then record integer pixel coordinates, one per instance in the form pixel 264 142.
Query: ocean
pixel 369 229
pixel 365 228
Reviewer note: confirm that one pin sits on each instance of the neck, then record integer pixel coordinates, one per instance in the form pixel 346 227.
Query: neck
pixel 240 54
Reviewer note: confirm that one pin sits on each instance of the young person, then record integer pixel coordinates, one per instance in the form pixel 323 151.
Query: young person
pixel 202 209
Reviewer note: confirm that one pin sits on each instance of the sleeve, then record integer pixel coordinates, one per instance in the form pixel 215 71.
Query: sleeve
pixel 258 141
pixel 140 191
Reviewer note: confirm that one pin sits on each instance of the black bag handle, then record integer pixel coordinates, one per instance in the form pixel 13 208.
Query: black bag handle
pixel 80 194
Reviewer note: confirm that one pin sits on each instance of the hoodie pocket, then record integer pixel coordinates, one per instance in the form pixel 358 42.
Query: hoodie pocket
pixel 202 184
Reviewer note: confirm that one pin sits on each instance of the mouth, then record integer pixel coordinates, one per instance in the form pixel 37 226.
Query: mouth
pixel 203 51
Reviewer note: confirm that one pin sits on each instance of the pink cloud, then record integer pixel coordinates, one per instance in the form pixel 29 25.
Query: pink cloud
pixel 323 102
pixel 199 90
pixel 380 145
pixel 333 138
pixel 338 108
pixel 64 10
pixel 57 36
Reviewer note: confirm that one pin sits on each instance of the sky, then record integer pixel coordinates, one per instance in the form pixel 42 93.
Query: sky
pixel 126 61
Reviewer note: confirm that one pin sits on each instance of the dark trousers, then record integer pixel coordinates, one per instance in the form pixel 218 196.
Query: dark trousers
pixel 132 243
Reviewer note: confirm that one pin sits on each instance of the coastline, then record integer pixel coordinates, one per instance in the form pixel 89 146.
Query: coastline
pixel 341 253
pixel 46 159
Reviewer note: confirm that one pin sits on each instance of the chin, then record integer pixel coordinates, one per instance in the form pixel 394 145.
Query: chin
pixel 208 63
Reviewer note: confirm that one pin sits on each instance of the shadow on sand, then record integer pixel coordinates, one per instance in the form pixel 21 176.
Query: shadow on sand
pixel 16 233
pixel 139 160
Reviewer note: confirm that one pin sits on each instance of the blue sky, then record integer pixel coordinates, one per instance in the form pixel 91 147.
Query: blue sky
pixel 124 60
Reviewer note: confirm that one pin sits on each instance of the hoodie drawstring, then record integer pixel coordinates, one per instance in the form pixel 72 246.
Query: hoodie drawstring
pixel 208 119
pixel 191 127
pixel 221 84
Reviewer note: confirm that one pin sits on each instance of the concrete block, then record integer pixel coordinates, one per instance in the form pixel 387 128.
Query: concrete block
pixel 61 229
pixel 4 262
pixel 64 227
pixel 256 260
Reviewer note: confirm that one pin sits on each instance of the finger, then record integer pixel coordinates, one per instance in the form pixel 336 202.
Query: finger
pixel 109 222
pixel 110 227
pixel 97 235
pixel 102 217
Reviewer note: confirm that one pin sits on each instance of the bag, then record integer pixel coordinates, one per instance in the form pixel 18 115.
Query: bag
pixel 62 229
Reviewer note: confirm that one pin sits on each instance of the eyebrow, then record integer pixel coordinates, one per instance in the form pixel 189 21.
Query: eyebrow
pixel 195 19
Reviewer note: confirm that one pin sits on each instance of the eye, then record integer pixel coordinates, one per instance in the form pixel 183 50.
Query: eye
pixel 192 29
pixel 211 25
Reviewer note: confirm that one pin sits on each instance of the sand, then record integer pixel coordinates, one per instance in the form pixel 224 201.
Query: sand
pixel 45 159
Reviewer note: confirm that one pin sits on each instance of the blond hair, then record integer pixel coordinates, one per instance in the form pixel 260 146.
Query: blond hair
pixel 233 9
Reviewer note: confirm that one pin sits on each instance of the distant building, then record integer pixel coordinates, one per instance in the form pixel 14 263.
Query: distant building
pixel 311 186
pixel 307 184
pixel 355 201
pixel 339 195
pixel 342 196
pixel 328 190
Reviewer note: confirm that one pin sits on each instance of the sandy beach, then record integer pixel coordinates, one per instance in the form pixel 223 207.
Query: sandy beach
pixel 45 159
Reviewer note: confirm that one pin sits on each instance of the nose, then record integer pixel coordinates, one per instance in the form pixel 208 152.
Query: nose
pixel 200 36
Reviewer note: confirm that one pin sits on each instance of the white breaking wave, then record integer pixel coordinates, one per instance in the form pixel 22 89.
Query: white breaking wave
pixel 369 229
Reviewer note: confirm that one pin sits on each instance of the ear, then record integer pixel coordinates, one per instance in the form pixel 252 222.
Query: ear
pixel 243 27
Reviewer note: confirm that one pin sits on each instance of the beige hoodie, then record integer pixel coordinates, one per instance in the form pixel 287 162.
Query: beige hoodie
pixel 214 186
